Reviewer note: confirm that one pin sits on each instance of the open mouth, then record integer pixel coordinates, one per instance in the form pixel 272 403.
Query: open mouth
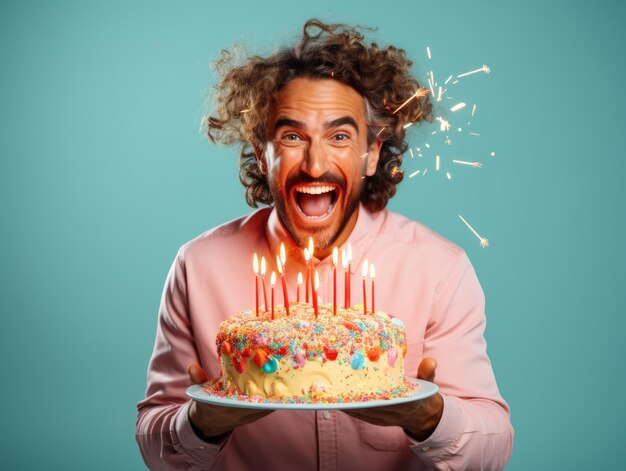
pixel 316 202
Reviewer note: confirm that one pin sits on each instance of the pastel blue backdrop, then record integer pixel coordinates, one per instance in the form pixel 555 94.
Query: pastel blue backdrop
pixel 104 174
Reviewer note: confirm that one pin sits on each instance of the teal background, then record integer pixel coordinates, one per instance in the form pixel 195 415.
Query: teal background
pixel 104 174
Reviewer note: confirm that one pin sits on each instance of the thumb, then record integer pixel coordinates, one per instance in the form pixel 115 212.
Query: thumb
pixel 197 375
pixel 427 369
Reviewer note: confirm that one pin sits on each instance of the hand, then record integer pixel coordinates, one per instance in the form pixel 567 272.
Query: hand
pixel 213 421
pixel 419 418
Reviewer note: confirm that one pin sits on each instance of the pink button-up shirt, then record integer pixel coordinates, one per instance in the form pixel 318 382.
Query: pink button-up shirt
pixel 421 278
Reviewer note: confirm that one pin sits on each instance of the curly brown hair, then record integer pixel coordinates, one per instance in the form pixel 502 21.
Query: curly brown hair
pixel 247 92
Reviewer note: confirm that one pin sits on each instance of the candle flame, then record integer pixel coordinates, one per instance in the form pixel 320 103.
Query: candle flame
pixel 335 256
pixel 279 265
pixel 317 280
pixel 255 264
pixel 311 247
pixel 344 259
pixel 372 271
pixel 273 279
pixel 300 278
pixel 283 255
pixel 263 266
pixel 307 257
pixel 365 268
pixel 349 252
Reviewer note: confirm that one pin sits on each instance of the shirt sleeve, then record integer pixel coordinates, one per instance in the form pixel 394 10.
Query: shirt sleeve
pixel 163 431
pixel 475 430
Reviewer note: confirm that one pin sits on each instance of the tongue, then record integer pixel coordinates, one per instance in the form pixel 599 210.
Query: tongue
pixel 315 205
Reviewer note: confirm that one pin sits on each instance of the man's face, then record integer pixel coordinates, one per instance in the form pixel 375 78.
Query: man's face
pixel 317 158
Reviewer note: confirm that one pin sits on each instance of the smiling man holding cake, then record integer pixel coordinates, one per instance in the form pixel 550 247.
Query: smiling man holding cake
pixel 321 127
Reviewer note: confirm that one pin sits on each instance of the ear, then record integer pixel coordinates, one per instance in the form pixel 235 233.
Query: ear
pixel 260 158
pixel 372 157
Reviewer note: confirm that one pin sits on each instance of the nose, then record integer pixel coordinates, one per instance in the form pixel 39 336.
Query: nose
pixel 316 160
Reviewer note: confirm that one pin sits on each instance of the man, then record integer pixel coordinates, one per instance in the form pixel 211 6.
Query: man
pixel 322 132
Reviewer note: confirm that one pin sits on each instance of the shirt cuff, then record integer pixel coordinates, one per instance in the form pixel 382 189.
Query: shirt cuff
pixel 446 433
pixel 189 441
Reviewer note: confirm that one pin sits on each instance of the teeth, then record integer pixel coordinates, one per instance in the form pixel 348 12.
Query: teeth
pixel 314 190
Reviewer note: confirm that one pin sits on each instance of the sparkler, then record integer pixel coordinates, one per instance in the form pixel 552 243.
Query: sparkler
pixel 484 69
pixel 483 241
pixel 471 164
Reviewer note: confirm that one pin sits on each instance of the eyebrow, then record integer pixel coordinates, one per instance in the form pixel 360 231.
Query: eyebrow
pixel 335 123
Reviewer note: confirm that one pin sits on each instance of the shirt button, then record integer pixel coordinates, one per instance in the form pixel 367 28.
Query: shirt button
pixel 425 448
pixel 326 414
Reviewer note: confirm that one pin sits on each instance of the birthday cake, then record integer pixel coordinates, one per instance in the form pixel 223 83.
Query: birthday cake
pixel 330 357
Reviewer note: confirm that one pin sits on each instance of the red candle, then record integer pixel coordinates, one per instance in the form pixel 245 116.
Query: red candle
pixel 372 273
pixel 349 254
pixel 307 274
pixel 344 262
pixel 335 260
pixel 315 288
pixel 272 283
pixel 364 273
pixel 298 288
pixel 255 266
pixel 284 282
pixel 263 268
pixel 311 269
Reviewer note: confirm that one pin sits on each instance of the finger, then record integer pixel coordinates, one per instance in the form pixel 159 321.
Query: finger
pixel 197 375
pixel 427 369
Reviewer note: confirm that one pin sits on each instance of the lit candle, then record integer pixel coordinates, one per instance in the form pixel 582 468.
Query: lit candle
pixel 349 254
pixel 344 263
pixel 298 288
pixel 364 273
pixel 255 266
pixel 316 286
pixel 280 262
pixel 307 274
pixel 272 283
pixel 335 260
pixel 372 274
pixel 263 268
pixel 311 251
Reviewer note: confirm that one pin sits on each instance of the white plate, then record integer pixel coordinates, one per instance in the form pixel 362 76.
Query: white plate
pixel 424 389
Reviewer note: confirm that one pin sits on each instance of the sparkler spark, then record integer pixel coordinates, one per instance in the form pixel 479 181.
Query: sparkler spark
pixel 471 164
pixel 447 80
pixel 414 173
pixel 411 152
pixel 443 124
pixel 484 69
pixel 428 52
pixel 483 241
pixel 437 163
pixel 474 133
pixel 448 175
pixel 420 92
pixel 473 110
pixel 457 107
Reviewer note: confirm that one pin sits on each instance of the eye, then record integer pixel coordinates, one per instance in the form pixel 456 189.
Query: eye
pixel 341 137
pixel 291 136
